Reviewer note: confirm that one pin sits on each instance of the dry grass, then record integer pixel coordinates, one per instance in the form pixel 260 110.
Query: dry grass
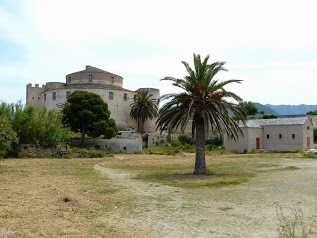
pixel 56 198
pixel 69 198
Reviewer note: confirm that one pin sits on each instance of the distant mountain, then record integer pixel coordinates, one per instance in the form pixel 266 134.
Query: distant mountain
pixel 266 109
pixel 292 109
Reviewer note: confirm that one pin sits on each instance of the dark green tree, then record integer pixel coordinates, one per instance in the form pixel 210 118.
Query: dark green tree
pixel 143 107
pixel 87 113
pixel 312 113
pixel 205 101
pixel 249 107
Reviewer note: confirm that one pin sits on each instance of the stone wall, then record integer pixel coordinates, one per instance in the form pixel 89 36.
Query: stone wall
pixel 118 144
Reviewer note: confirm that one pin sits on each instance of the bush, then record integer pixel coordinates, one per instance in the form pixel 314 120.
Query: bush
pixel 269 116
pixel 214 143
pixel 8 137
pixel 32 125
pixel 185 140
pixel 84 153
pixel 309 155
pixel 176 143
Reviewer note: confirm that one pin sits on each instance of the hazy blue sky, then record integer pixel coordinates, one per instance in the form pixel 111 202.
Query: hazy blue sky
pixel 270 45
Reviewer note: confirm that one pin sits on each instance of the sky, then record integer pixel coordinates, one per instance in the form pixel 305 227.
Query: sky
pixel 271 45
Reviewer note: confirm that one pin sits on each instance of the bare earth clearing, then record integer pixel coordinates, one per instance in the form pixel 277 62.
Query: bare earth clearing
pixel 86 198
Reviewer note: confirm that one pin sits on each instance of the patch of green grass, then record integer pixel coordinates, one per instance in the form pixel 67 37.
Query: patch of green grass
pixel 107 190
pixel 180 175
pixel 291 168
pixel 309 155
pixel 225 208
pixel 161 150
pixel 222 169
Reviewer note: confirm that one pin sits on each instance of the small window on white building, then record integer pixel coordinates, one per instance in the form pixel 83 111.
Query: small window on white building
pixel 90 77
pixel 54 95
pixel 280 136
pixel 293 136
pixel 307 127
pixel 125 97
pixel 267 136
pixel 110 95
pixel 112 79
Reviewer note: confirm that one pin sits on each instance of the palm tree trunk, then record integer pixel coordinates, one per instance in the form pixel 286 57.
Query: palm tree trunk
pixel 200 163
pixel 139 125
pixel 142 126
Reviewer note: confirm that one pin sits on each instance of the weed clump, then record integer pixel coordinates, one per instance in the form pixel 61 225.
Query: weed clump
pixel 296 225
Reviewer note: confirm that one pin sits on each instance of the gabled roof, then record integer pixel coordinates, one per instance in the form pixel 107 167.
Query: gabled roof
pixel 275 122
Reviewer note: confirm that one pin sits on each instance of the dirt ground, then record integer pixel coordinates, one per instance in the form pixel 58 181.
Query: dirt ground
pixel 34 202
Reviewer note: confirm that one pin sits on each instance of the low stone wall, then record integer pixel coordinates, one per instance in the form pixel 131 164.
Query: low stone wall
pixel 29 150
pixel 119 144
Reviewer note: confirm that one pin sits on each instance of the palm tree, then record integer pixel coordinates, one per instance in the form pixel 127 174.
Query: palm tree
pixel 205 101
pixel 143 107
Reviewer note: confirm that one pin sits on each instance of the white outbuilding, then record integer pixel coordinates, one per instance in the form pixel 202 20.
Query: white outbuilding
pixel 279 134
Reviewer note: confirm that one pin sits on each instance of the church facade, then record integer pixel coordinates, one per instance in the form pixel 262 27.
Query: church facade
pixel 109 86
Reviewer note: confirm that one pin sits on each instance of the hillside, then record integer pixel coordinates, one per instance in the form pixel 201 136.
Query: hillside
pixel 266 109
pixel 292 109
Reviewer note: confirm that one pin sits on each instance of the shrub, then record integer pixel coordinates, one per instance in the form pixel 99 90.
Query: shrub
pixel 8 137
pixel 176 143
pixel 169 138
pixel 269 116
pixel 185 140
pixel 214 143
pixel 84 153
pixel 309 155
pixel 297 225
pixel 32 125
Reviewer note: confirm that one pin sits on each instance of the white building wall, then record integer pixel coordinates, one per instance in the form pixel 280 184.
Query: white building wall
pixel 286 142
pixel 253 134
pixel 239 145
pixel 308 135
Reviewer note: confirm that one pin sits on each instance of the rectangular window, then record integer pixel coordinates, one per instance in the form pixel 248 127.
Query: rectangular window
pixel 45 97
pixel 125 97
pixel 54 95
pixel 110 95
pixel 293 136
pixel 112 79
pixel 267 136
pixel 280 136
pixel 90 77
